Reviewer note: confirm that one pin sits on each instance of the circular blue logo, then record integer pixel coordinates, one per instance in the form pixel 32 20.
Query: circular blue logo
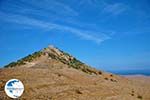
pixel 14 88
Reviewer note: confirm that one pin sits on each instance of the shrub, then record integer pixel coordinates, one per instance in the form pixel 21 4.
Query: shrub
pixel 67 54
pixel 11 65
pixel 99 72
pixel 113 80
pixel 139 96
pixel 106 78
pixel 132 94
pixel 111 75
pixel 22 61
pixel 78 91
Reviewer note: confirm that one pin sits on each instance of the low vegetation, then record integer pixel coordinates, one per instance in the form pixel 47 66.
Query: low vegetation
pixel 139 96
pixel 113 80
pixel 111 75
pixel 106 78
pixel 78 91
pixel 73 62
pixel 132 93
pixel 23 61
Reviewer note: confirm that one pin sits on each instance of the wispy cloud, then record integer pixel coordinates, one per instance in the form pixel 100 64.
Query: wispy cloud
pixel 52 6
pixel 23 20
pixel 88 2
pixel 115 9
pixel 106 7
pixel 44 15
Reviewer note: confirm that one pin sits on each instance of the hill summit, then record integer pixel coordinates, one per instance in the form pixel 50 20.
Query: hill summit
pixel 53 53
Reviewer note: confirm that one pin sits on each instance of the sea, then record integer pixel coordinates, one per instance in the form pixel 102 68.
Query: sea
pixel 131 72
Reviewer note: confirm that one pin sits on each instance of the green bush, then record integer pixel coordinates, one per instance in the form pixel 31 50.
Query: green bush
pixel 11 65
pixel 22 61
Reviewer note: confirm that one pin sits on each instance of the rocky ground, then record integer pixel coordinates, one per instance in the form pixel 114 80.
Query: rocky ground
pixel 70 84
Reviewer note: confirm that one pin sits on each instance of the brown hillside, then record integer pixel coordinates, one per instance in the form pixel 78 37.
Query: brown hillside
pixel 52 74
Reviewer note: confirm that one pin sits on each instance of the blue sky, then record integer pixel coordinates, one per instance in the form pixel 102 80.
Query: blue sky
pixel 106 34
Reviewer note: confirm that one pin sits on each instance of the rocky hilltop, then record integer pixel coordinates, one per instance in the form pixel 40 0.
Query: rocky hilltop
pixel 52 74
pixel 52 53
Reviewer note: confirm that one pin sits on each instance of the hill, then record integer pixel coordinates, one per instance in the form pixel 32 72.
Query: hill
pixel 52 74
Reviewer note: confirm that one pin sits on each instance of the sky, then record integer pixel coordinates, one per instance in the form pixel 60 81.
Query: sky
pixel 106 34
